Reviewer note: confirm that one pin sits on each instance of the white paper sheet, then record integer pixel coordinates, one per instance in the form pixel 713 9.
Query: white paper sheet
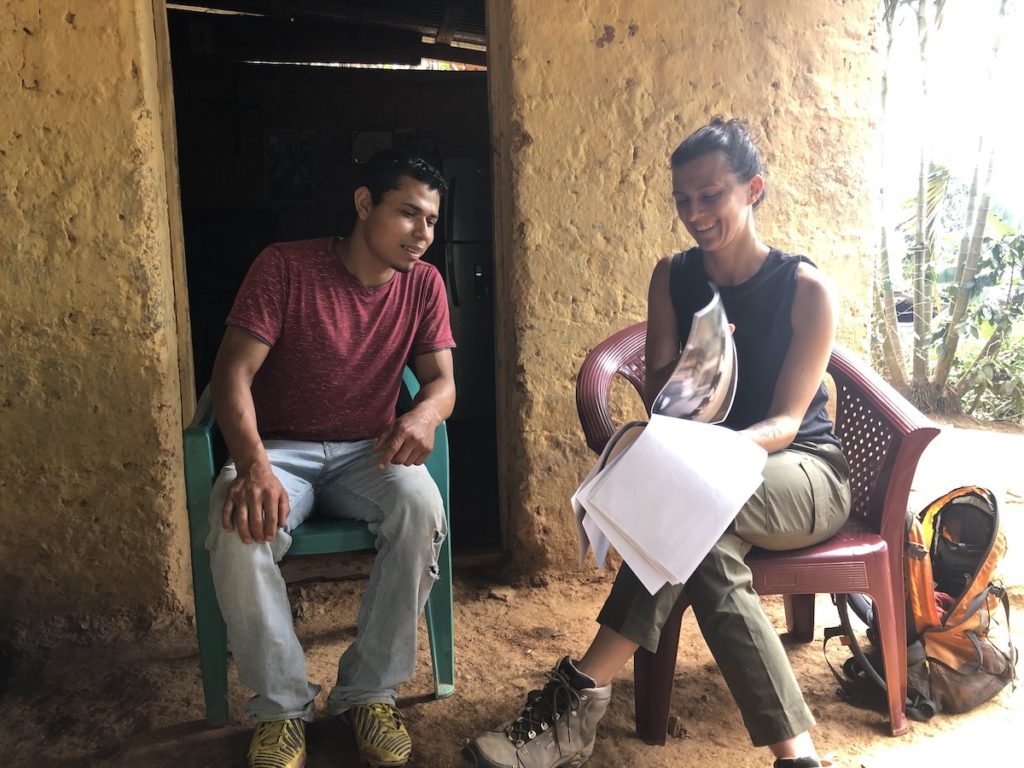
pixel 649 572
pixel 666 500
pixel 589 534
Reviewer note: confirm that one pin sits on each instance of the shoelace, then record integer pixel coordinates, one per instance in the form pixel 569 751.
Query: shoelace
pixel 278 734
pixel 273 733
pixel 543 710
pixel 389 717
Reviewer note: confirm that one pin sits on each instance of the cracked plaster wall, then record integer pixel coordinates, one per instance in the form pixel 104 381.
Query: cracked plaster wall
pixel 90 488
pixel 588 101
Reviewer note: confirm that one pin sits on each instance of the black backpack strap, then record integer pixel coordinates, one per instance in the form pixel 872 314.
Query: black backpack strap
pixel 918 704
pixel 830 632
pixel 1000 592
pixel 976 605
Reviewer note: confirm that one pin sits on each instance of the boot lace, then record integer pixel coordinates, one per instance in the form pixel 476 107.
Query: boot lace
pixel 544 709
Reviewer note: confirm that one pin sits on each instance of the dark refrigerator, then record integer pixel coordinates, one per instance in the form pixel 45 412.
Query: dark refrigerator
pixel 468 268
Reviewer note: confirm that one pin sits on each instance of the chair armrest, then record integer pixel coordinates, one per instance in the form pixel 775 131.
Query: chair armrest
pixel 200 470
pixel 437 462
pixel 620 353
pixel 891 405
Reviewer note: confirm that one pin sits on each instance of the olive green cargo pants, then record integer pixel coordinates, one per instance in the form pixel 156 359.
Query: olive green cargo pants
pixel 805 499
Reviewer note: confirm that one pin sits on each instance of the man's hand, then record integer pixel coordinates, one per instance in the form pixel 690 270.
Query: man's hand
pixel 408 440
pixel 256 505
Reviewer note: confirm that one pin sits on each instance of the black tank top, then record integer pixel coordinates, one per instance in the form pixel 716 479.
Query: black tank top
pixel 761 310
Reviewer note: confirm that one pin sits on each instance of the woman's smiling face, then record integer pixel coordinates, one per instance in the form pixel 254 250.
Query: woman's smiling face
pixel 712 202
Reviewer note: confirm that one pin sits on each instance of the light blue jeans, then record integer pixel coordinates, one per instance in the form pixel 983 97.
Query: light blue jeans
pixel 405 512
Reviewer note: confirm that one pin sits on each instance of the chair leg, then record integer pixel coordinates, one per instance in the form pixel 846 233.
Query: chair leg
pixel 440 625
pixel 800 617
pixel 213 640
pixel 894 655
pixel 653 676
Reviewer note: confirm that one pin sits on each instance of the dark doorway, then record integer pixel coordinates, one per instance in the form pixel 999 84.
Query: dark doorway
pixel 272 122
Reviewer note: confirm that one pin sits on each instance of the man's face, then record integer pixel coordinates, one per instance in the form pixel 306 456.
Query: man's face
pixel 400 228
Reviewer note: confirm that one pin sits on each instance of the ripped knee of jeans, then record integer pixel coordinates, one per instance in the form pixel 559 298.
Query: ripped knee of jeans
pixel 434 568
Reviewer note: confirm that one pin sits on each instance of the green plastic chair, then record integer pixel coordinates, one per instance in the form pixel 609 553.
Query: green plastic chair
pixel 314 537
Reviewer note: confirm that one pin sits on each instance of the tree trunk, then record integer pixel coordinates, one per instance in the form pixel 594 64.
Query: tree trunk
pixel 884 304
pixel 965 285
pixel 970 251
pixel 972 200
pixel 922 321
pixel 991 348
pixel 892 353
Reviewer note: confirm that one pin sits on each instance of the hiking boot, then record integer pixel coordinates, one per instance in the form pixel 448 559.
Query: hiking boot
pixel 380 734
pixel 556 727
pixel 278 744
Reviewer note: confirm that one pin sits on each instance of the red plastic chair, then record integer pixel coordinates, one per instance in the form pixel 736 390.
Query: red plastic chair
pixel 883 438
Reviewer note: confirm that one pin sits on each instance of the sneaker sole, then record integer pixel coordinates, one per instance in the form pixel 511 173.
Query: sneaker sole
pixel 301 763
pixel 376 763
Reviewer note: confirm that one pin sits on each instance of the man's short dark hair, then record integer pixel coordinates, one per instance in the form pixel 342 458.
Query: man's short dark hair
pixel 385 170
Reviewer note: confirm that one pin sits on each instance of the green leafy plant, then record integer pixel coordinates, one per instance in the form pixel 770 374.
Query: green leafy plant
pixel 963 262
pixel 990 383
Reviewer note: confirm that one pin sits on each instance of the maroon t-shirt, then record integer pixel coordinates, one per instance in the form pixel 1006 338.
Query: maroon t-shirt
pixel 337 347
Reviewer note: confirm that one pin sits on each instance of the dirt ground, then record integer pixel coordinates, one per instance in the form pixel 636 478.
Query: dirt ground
pixel 139 703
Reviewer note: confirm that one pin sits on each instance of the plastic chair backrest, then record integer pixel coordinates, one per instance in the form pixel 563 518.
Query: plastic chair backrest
pixel 866 411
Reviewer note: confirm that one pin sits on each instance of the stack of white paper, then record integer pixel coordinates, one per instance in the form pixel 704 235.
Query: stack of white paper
pixel 664 494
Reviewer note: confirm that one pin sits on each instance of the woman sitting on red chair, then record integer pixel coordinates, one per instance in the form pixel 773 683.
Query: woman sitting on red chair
pixel 783 312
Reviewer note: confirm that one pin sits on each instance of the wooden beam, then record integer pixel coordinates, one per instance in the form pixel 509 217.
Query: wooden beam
pixel 342 12
pixel 452 14
pixel 256 38
pixel 253 38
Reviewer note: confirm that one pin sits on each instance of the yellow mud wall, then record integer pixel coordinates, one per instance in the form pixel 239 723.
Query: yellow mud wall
pixel 92 536
pixel 588 100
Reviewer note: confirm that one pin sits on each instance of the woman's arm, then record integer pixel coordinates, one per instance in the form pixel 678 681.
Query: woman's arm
pixel 813 317
pixel 662 347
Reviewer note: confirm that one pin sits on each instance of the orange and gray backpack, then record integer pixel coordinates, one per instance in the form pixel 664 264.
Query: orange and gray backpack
pixel 953 547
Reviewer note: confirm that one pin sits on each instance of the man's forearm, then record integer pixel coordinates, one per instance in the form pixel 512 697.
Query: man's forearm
pixel 236 417
pixel 436 398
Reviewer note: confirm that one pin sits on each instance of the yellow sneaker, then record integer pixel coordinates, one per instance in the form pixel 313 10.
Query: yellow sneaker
pixel 278 744
pixel 380 734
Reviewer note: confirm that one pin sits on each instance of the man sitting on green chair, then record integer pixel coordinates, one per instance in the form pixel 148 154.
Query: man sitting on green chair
pixel 304 389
